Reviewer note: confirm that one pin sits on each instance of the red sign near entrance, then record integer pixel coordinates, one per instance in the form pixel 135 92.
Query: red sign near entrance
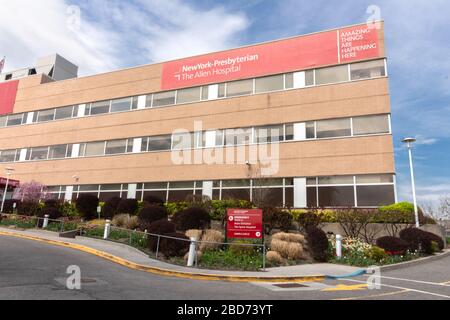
pixel 8 92
pixel 320 49
pixel 245 224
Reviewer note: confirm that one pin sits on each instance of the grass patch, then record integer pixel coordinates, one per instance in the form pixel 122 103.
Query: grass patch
pixel 448 240
pixel 23 224
pixel 228 260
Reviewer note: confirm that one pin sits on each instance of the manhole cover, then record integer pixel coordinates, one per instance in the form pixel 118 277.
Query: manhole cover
pixel 87 280
pixel 290 285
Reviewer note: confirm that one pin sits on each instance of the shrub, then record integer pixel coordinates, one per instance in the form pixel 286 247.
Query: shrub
pixel 419 240
pixel 403 212
pixel 150 214
pixel 174 247
pixel 242 247
pixel 69 210
pixel 274 218
pixel 219 207
pixel 211 236
pixel 160 227
pixel 274 257
pixel 109 210
pixel 378 254
pixel 8 207
pixel 153 200
pixel 87 206
pixel 199 201
pixel 174 207
pixel 393 245
pixel 289 237
pixel 317 243
pixel 194 233
pixel 308 220
pixel 128 206
pixel 52 212
pixel 125 221
pixel 28 208
pixel 288 250
pixel 52 203
pixel 192 218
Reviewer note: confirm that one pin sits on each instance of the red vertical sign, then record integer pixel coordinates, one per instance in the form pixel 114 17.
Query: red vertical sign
pixel 245 224
pixel 8 92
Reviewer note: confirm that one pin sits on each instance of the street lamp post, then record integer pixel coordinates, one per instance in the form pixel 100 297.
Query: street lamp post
pixel 409 142
pixel 9 172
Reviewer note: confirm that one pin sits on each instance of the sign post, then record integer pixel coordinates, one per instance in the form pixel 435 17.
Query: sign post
pixel 245 224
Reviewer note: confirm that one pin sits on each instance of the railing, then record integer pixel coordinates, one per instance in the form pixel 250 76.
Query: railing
pixel 30 222
pixel 152 244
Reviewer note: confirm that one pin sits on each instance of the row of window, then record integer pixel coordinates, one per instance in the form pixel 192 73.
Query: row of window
pixel 343 191
pixel 322 76
pixel 351 191
pixel 335 128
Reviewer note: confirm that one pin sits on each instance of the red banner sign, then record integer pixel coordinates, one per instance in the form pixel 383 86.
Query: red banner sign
pixel 245 224
pixel 8 92
pixel 309 51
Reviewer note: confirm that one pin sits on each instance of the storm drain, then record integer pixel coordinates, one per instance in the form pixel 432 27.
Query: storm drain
pixel 88 281
pixel 290 285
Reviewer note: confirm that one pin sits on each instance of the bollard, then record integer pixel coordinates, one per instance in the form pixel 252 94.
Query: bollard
pixel 339 246
pixel 107 229
pixel 45 224
pixel 192 252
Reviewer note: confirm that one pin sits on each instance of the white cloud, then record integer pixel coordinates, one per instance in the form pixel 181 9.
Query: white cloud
pixel 114 34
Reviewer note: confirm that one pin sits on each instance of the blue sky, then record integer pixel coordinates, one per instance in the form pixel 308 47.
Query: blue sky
pixel 117 34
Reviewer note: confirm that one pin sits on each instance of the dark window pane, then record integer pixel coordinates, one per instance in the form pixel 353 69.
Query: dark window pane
pixel 332 75
pixel 58 152
pixel 268 196
pixel 336 197
pixel 116 147
pixel 333 128
pixel 311 194
pixel 160 143
pixel 188 95
pixel 100 107
pixel 271 83
pixel 368 69
pixel 15 120
pixel 105 196
pixel 375 196
pixel 179 195
pixel 47 115
pixel 63 113
pixel 289 194
pixel 371 125
pixel 159 194
pixel 237 194
pixel 270 134
pixel 310 130
pixel 163 99
pixel 121 105
pixel 239 88
pixel 216 194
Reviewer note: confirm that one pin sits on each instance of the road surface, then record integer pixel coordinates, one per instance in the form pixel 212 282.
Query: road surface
pixel 34 270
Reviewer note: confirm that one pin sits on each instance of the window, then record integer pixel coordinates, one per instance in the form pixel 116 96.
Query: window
pixel 235 183
pixel 183 141
pixel 116 147
pixel 267 84
pixel 39 154
pixel 310 130
pixel 163 99
pixel 289 134
pixel 63 113
pixel 332 75
pixel 181 185
pixel 369 69
pixel 14 120
pixel 336 196
pixel 375 196
pixel 234 137
pixel 144 145
pixel 333 128
pixel 93 149
pixel 239 88
pixel 188 95
pixel 47 115
pixel 135 103
pixel 205 92
pixel 3 121
pixel 269 134
pixel 289 84
pixel 375 178
pixel 8 156
pixel 221 91
pixel 120 105
pixel 58 152
pixel 100 107
pixel 309 77
pixel 160 143
pixel 371 125
pixel 336 180
pixel 218 142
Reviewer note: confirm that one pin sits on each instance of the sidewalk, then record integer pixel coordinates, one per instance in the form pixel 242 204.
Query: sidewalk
pixel 135 259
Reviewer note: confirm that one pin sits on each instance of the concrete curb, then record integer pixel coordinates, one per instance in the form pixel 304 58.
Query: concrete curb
pixel 165 272
pixel 416 262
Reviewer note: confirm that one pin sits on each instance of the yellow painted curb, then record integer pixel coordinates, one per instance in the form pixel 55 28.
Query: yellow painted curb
pixel 165 272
